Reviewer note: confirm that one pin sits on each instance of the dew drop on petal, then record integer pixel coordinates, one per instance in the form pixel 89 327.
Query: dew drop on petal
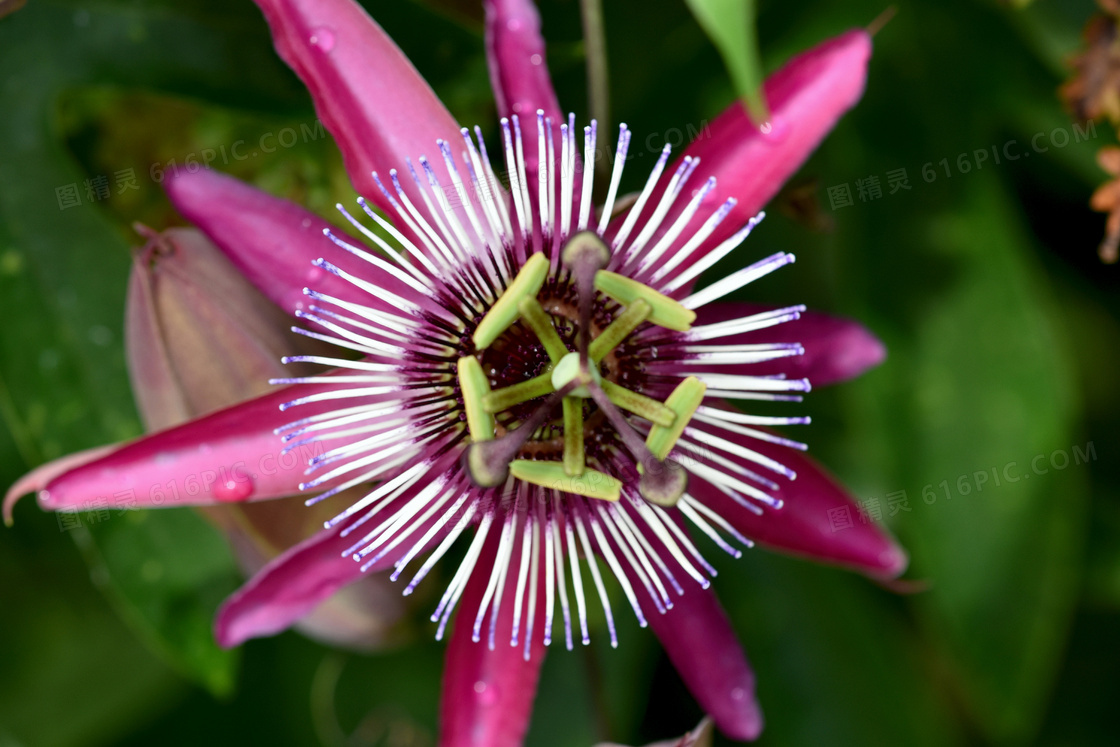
pixel 535 59
pixel 487 694
pixel 775 131
pixel 233 491
pixel 322 39
pixel 738 693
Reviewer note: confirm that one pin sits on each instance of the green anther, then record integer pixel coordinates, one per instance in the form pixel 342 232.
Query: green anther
pixel 619 329
pixel 573 437
pixel 665 312
pixel 505 311
pixel 505 398
pixel 475 388
pixel 639 404
pixel 567 370
pixel 683 402
pixel 541 324
pixel 591 484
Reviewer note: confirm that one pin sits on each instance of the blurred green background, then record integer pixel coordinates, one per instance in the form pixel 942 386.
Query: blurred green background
pixel 983 281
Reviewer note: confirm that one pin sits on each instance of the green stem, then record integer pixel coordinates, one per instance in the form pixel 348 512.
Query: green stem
pixel 639 404
pixel 619 329
pixel 503 399
pixel 598 85
pixel 573 436
pixel 541 323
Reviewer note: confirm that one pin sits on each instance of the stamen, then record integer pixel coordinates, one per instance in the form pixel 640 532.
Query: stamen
pixel 507 397
pixel 573 437
pixel 475 387
pixel 590 484
pixel 639 404
pixel 618 330
pixel 683 402
pixel 541 323
pixel 664 311
pixel 505 311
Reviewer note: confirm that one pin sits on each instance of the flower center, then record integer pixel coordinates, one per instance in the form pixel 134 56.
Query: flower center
pixel 567 378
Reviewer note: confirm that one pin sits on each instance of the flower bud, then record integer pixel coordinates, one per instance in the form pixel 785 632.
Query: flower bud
pixel 200 337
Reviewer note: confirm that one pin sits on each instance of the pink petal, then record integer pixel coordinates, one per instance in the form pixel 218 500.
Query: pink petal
pixel 818 520
pixel 836 349
pixel 37 479
pixel 518 70
pixel 806 97
pixel 294 583
pixel 487 695
pixel 228 456
pixel 702 645
pixel 366 92
pixel 273 242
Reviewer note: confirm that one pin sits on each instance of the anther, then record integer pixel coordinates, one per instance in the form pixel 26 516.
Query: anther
pixel 505 310
pixel 665 312
pixel 475 388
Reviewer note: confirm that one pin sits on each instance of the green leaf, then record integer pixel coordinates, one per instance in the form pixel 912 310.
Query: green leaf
pixel 827 637
pixel 730 24
pixel 1004 553
pixel 168 570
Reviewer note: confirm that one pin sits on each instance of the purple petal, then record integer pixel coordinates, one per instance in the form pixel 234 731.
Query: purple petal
pixel 296 582
pixel 818 519
pixel 273 242
pixel 366 92
pixel 806 97
pixel 702 645
pixel 229 456
pixel 37 479
pixel 518 70
pixel 487 695
pixel 836 349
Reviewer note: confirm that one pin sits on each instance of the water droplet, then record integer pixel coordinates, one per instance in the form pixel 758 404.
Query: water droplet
pixel 233 491
pixel 776 130
pixel 487 694
pixel 535 59
pixel 738 693
pixel 322 39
